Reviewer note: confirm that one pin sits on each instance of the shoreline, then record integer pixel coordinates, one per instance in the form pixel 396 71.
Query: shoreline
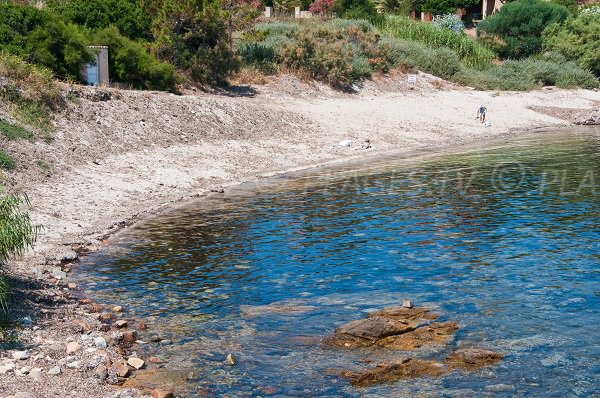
pixel 126 167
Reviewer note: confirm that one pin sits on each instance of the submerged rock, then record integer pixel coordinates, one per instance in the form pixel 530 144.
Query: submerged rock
pixel 390 321
pixel 275 308
pixel 435 333
pixel 366 332
pixel 405 368
pixel 231 360
pixel 401 313
pixel 471 358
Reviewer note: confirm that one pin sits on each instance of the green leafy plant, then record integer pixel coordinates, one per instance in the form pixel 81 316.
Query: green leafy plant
pixel 127 15
pixel 578 39
pixel 520 24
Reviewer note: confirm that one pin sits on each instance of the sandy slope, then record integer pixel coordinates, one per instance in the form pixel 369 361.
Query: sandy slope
pixel 117 160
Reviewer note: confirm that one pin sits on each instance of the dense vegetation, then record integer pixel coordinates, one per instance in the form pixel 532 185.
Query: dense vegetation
pixel 577 38
pixel 520 25
pixel 341 52
pixel 158 44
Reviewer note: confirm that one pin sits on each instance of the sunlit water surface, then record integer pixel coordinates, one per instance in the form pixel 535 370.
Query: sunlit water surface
pixel 502 237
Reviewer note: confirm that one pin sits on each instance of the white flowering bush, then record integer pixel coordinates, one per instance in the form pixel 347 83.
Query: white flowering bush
pixel 448 21
pixel 591 10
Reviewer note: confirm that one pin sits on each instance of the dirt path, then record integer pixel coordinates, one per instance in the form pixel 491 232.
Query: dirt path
pixel 115 161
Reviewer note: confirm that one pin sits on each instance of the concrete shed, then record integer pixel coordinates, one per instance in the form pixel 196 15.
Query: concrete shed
pixel 96 72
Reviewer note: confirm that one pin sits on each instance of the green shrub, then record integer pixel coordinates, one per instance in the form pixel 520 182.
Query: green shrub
pixel 469 51
pixel 401 52
pixel 59 46
pixel 126 15
pixel 342 24
pixel 520 24
pixel 276 29
pixel 578 39
pixel 16 22
pixel 357 9
pixel 130 62
pixel 6 161
pixel 14 132
pixel 262 54
pixel 441 62
pixel 528 74
pixel 442 7
pixel 193 36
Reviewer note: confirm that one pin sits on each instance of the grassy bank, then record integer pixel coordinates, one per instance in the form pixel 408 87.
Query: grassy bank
pixel 342 52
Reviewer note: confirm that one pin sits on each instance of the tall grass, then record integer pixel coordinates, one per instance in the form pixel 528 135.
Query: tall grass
pixel 17 234
pixel 469 51
pixel 29 89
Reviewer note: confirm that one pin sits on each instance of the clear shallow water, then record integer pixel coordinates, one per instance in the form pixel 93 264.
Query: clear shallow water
pixel 503 238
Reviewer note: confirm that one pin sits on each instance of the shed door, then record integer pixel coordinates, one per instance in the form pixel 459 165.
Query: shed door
pixel 92 72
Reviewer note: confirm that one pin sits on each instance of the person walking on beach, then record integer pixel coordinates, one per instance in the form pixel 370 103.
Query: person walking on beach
pixel 481 113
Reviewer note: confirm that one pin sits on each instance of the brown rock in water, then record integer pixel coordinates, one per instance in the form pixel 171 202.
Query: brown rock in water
pixel 401 313
pixel 121 369
pixel 121 323
pixel 471 358
pixel 117 308
pixel 105 317
pixel 365 332
pixel 160 393
pixel 435 333
pixel 405 368
pixel 130 337
pixel 95 307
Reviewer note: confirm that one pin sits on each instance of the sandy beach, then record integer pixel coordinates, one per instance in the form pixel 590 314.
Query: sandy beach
pixel 132 154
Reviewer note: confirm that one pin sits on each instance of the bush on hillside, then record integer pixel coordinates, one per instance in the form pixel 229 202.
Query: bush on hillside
pixel 126 15
pixel 59 46
pixel 193 36
pixel 16 22
pixel 337 52
pixel 578 39
pixel 520 24
pixel 29 89
pixel 357 9
pixel 130 62
pixel 42 38
pixel 528 74
pixel 443 7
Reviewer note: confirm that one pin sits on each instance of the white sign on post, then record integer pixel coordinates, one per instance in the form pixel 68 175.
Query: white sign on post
pixel 412 79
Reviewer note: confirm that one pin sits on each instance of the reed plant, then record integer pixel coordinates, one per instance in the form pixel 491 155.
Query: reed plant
pixel 17 234
pixel 470 52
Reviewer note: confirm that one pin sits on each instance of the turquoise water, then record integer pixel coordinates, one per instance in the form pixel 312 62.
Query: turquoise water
pixel 502 237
